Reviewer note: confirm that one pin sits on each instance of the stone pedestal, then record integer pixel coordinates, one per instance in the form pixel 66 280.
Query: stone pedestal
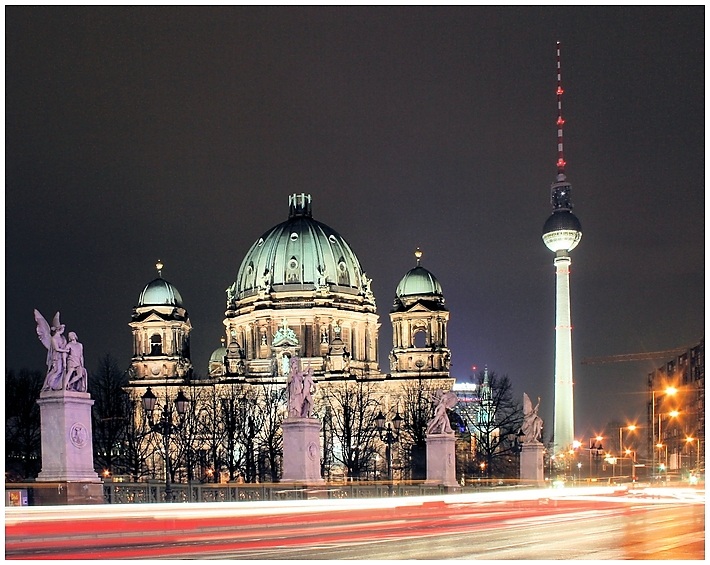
pixel 65 492
pixel 531 463
pixel 441 460
pixel 302 451
pixel 67 448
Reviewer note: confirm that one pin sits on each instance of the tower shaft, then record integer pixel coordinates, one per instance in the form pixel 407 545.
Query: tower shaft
pixel 564 405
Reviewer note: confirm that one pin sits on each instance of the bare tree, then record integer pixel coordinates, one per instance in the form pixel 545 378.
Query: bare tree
pixel 269 413
pixel 417 409
pixel 350 409
pixel 110 415
pixel 494 425
pixel 23 445
pixel 135 449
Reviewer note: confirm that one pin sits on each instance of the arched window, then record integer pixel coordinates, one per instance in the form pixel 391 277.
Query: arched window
pixel 420 338
pixel 156 344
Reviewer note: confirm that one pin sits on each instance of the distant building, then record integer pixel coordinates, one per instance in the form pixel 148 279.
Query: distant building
pixel 676 413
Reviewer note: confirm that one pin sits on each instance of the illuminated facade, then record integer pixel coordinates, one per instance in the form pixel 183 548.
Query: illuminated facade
pixel 678 419
pixel 300 291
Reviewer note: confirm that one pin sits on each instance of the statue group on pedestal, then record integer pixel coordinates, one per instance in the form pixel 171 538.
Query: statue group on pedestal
pixel 65 359
pixel 300 390
pixel 532 423
pixel 440 424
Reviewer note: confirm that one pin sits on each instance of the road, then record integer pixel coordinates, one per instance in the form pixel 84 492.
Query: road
pixel 537 525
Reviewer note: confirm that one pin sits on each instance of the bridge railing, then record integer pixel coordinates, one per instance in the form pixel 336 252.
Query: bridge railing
pixel 153 491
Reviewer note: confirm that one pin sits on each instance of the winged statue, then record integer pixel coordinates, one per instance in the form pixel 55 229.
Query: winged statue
pixel 440 424
pixel 52 337
pixel 532 423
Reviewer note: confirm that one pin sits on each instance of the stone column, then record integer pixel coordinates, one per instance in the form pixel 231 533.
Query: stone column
pixel 441 460
pixel 301 458
pixel 531 463
pixel 67 449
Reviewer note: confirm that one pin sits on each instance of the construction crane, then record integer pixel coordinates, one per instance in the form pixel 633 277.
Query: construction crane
pixel 667 354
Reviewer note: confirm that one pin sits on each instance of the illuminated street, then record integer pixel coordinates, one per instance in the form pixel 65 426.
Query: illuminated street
pixel 541 524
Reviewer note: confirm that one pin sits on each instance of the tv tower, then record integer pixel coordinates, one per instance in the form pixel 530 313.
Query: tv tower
pixel 561 234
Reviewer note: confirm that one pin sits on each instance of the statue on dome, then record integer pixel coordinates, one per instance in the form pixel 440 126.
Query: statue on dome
pixel 322 276
pixel 265 284
pixel 532 423
pixel 366 283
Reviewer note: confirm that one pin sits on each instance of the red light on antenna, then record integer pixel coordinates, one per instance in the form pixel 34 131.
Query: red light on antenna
pixel 560 121
pixel 559 90
pixel 561 163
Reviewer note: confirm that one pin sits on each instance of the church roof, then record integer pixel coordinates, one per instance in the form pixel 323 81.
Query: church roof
pixel 419 281
pixel 160 292
pixel 300 254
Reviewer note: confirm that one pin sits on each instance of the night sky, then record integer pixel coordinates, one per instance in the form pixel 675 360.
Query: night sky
pixel 177 133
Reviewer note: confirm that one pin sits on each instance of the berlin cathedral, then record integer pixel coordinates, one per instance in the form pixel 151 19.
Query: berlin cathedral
pixel 300 297
pixel 300 292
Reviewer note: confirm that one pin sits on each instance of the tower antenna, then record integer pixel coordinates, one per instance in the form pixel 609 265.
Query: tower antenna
pixel 560 120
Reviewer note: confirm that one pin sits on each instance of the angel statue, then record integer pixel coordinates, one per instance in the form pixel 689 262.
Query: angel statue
pixel 65 360
pixel 440 424
pixel 52 337
pixel 532 423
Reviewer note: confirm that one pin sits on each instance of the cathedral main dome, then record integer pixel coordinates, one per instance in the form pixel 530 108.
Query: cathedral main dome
pixel 300 292
pixel 298 254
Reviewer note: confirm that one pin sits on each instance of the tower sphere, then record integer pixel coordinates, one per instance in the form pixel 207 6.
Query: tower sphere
pixel 562 231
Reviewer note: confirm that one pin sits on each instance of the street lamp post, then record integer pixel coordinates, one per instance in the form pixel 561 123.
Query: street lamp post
pixel 631 428
pixel 663 466
pixel 661 443
pixel 670 391
pixel 165 426
pixel 595 446
pixel 250 434
pixel 688 441
pixel 389 434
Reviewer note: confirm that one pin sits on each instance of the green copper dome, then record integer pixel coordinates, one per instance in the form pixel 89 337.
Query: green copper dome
pixel 160 292
pixel 419 282
pixel 218 355
pixel 299 254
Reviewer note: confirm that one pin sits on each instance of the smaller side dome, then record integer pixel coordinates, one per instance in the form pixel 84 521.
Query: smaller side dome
pixel 160 292
pixel 218 355
pixel 419 282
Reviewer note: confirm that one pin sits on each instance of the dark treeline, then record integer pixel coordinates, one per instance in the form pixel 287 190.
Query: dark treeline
pixel 233 432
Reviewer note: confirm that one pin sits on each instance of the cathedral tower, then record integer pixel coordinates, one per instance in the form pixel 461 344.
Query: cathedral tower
pixel 161 334
pixel 419 326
